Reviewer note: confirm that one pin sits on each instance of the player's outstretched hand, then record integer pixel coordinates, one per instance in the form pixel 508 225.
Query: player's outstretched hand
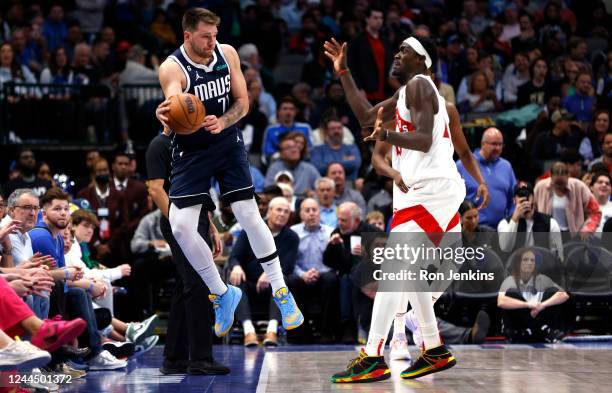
pixel 379 131
pixel 161 111
pixel 482 194
pixel 336 52
pixel 213 124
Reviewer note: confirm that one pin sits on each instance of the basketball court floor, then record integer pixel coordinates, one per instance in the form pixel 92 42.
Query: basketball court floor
pixel 559 368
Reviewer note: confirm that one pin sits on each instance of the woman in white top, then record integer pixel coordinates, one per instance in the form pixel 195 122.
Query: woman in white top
pixel 530 301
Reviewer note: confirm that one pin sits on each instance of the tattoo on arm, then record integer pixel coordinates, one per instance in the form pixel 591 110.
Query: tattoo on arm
pixel 233 114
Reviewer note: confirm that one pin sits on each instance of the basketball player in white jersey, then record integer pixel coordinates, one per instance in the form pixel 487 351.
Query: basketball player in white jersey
pixel 432 192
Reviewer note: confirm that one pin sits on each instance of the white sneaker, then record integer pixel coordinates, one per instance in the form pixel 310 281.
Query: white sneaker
pixel 106 361
pixel 22 355
pixel 399 348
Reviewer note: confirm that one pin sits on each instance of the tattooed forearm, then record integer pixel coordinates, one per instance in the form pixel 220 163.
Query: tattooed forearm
pixel 234 113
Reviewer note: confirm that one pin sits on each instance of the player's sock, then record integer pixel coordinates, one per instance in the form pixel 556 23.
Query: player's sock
pixel 184 223
pixel 381 320
pixel 422 304
pixel 399 326
pixel 248 327
pixel 272 326
pixel 261 240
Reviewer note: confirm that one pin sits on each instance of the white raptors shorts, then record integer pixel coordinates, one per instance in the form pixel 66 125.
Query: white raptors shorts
pixel 430 206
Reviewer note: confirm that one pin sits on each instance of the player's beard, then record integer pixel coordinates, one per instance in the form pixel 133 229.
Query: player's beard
pixel 204 54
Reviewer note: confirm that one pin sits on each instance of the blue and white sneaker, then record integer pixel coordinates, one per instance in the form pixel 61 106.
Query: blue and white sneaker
pixel 225 306
pixel 292 316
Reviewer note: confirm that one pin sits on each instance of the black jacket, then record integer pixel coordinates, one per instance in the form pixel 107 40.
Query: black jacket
pixel 338 256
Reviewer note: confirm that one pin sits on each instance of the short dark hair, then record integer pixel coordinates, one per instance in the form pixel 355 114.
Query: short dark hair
pixel 571 156
pixel 597 175
pixel 287 100
pixel 193 16
pixel 371 9
pixel 121 154
pixel 53 194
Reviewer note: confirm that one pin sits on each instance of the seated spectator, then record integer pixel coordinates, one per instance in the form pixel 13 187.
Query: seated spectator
pixel 254 124
pixel 161 28
pixel 26 164
pixel 325 190
pixel 13 71
pixel 74 298
pixel 606 153
pixel 569 201
pixel 530 302
pixel 317 281
pixel 334 102
pixel 383 200
pixel 303 173
pixel 590 147
pixel 135 71
pixel 551 144
pixel 301 94
pixel 481 97
pixel 333 150
pixel 601 187
pixel 582 101
pixel 536 89
pixel 498 174
pixel 153 263
pixel 527 227
pixel 516 75
pixel 287 111
pixel 302 144
pixel 122 339
pixel 58 72
pixel 55 28
pixel 376 219
pixel 343 253
pixel 474 234
pixel 264 100
pixel 335 171
pixel 112 211
pixel 246 272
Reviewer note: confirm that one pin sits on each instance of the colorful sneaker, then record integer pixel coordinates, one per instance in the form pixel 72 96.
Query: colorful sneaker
pixel 21 355
pixel 225 306
pixel 364 368
pixel 431 361
pixel 53 333
pixel 292 316
pixel 399 348
pixel 138 331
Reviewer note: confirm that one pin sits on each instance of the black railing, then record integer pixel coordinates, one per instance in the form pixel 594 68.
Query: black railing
pixel 77 114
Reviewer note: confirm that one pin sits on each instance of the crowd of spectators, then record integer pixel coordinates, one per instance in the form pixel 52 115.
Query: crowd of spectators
pixel 544 64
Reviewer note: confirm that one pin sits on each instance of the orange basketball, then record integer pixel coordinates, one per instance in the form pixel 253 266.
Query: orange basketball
pixel 186 113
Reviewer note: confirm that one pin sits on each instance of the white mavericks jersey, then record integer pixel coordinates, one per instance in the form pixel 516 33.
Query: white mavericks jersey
pixel 417 167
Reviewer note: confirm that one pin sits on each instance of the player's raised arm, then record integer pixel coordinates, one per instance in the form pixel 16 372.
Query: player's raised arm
pixel 363 110
pixel 465 155
pixel 422 102
pixel 172 79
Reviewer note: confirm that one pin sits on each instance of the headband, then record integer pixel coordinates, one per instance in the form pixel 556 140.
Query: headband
pixel 418 48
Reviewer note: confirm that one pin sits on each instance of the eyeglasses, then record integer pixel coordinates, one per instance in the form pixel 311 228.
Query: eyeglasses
pixel 29 208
